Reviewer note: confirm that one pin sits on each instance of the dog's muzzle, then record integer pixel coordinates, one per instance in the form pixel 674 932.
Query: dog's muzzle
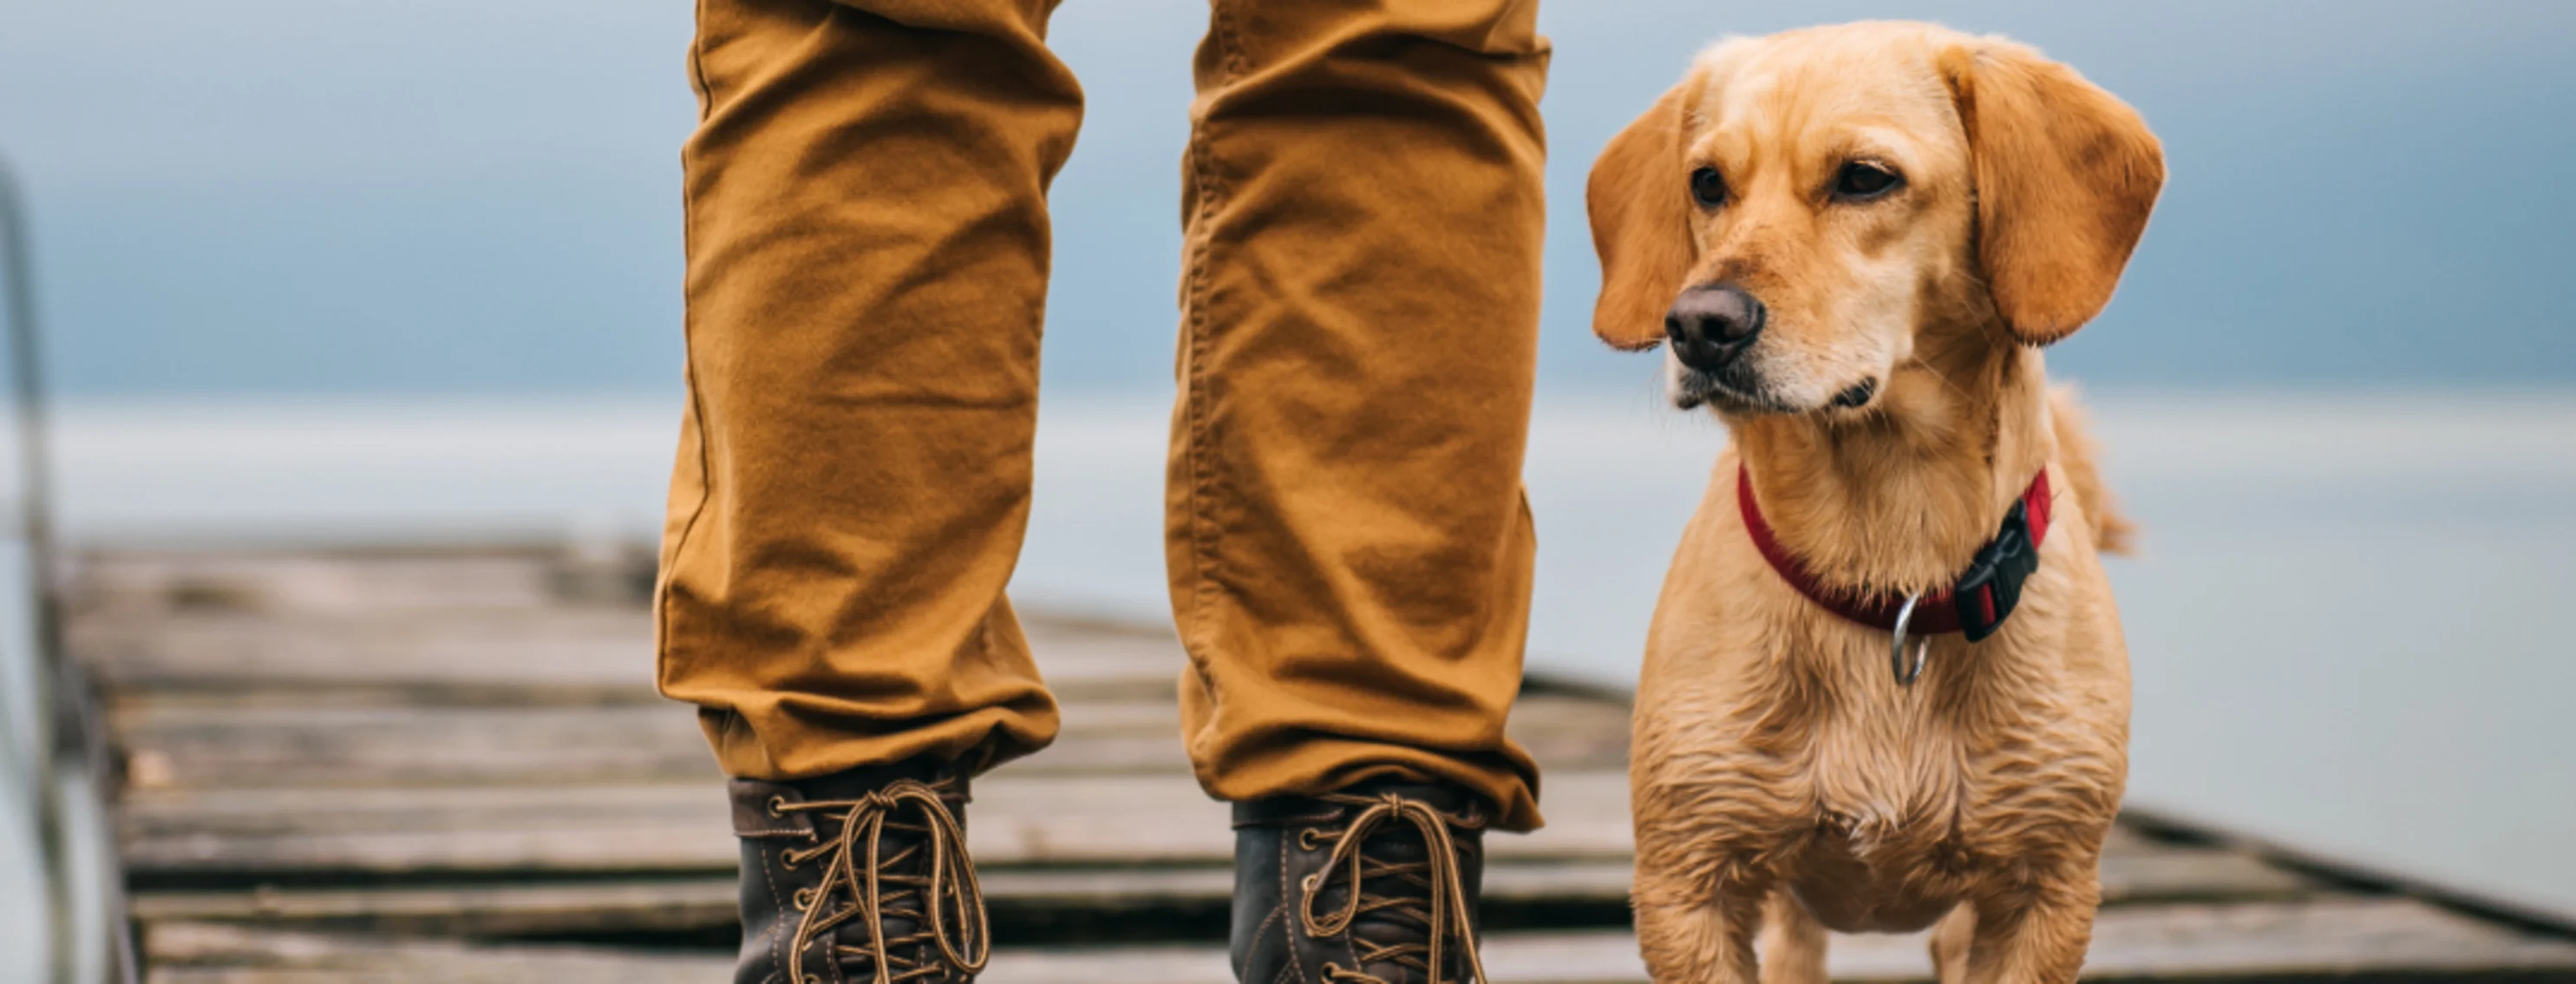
pixel 1710 326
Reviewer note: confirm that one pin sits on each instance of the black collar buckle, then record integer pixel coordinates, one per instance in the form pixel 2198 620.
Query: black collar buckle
pixel 1987 591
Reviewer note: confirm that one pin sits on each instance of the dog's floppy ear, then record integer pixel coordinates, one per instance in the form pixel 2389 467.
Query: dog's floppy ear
pixel 1639 198
pixel 2065 174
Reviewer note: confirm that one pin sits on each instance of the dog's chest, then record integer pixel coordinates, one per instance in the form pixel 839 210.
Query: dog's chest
pixel 1913 806
pixel 1889 775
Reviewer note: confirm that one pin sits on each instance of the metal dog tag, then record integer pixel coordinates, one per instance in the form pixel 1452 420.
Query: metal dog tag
pixel 1907 670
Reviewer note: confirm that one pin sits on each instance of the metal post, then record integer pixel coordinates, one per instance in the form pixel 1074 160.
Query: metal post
pixel 64 736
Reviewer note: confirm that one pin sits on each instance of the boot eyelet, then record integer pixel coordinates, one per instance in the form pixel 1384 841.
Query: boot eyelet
pixel 1307 883
pixel 778 806
pixel 1306 838
pixel 804 899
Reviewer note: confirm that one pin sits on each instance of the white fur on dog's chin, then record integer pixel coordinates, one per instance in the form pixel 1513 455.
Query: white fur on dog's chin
pixel 1809 392
pixel 1676 376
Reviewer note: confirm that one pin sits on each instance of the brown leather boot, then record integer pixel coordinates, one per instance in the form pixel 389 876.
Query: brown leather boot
pixel 1377 884
pixel 861 875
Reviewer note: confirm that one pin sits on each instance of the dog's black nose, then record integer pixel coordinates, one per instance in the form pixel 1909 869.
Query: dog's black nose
pixel 1711 326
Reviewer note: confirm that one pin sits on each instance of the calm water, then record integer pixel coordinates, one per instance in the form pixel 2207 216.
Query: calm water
pixel 2345 621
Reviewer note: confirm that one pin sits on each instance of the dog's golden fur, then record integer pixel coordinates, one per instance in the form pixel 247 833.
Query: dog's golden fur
pixel 1783 782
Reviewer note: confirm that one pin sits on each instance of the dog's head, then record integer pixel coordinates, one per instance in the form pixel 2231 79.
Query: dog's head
pixel 1803 207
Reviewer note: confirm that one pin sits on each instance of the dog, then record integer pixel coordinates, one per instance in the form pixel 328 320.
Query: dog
pixel 1885 685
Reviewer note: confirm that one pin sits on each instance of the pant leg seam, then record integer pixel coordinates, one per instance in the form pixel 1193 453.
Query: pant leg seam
pixel 696 408
pixel 1202 477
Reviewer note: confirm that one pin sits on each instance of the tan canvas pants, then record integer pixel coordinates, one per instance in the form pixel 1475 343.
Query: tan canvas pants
pixel 867 261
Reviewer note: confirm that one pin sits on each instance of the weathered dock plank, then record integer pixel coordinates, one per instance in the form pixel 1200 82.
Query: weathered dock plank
pixel 1022 816
pixel 193 743
pixel 2322 940
pixel 181 953
pixel 578 654
pixel 376 582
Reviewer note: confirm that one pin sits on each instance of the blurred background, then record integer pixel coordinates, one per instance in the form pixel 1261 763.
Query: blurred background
pixel 328 272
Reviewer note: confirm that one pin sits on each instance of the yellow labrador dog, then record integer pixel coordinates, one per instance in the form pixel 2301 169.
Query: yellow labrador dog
pixel 1885 682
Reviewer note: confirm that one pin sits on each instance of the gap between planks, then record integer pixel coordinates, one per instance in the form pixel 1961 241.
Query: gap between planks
pixel 557 908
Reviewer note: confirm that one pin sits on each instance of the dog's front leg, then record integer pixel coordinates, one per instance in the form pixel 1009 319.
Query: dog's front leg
pixel 1697 908
pixel 1793 942
pixel 1950 941
pixel 2035 937
pixel 1704 941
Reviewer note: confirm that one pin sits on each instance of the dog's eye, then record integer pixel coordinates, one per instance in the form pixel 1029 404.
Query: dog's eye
pixel 1708 187
pixel 1862 182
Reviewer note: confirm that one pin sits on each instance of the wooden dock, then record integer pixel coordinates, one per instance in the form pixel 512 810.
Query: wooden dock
pixel 452 766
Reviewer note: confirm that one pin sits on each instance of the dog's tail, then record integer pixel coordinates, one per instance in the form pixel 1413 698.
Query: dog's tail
pixel 2112 531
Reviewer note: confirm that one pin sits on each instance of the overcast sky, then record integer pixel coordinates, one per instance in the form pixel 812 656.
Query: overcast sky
pixel 469 196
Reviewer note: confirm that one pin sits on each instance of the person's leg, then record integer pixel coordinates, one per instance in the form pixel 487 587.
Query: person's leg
pixel 1348 545
pixel 867 250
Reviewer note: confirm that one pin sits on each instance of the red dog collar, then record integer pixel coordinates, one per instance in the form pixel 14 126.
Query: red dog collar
pixel 1976 603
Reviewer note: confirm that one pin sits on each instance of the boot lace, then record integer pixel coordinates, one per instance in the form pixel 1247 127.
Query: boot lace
pixel 947 904
pixel 1434 894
